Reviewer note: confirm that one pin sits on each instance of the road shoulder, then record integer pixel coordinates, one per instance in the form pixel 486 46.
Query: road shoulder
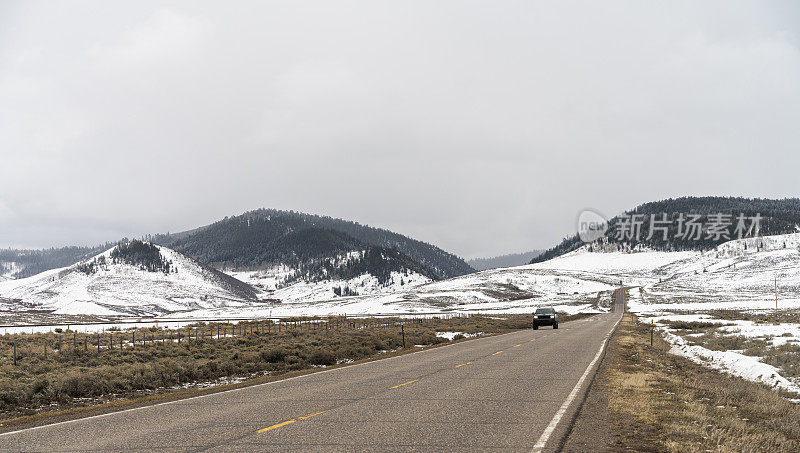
pixel 595 427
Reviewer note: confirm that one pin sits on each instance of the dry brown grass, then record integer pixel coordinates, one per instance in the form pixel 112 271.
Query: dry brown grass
pixel 48 379
pixel 689 408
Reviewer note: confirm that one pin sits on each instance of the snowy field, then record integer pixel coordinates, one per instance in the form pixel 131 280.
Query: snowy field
pixel 738 275
pixel 512 290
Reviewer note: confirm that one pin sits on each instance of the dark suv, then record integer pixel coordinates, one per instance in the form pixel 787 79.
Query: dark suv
pixel 545 316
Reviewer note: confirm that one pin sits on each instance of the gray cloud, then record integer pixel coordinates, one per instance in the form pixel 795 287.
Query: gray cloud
pixel 482 127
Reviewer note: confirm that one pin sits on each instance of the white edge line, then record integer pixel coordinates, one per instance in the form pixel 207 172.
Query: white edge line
pixel 181 400
pixel 539 445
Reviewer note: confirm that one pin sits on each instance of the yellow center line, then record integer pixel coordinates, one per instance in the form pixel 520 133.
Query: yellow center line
pixel 404 383
pixel 517 345
pixel 533 339
pixel 498 352
pixel 463 364
pixel 287 422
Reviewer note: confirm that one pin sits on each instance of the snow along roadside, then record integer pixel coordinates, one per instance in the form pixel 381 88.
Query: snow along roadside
pixel 730 362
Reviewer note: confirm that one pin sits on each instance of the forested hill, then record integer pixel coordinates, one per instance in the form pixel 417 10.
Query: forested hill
pixel 25 263
pixel 510 260
pixel 267 236
pixel 777 217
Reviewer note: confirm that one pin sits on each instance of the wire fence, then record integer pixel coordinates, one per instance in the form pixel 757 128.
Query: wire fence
pixel 64 343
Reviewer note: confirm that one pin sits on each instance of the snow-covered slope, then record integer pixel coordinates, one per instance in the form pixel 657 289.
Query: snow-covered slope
pixel 631 267
pixel 125 289
pixel 740 274
pixel 737 274
pixel 269 283
pixel 516 289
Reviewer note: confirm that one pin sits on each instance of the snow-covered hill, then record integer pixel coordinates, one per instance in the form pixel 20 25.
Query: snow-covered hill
pixel 738 274
pixel 122 288
pixel 741 274
pixel 101 286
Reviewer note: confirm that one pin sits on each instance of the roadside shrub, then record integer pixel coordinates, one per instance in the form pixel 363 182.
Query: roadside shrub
pixel 274 355
pixel 691 325
pixel 75 384
pixel 322 357
pixel 719 342
pixel 786 357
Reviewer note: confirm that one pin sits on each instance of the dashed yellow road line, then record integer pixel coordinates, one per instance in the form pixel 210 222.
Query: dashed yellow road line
pixel 287 422
pixel 498 352
pixel 517 345
pixel 404 383
pixel 463 364
pixel 533 339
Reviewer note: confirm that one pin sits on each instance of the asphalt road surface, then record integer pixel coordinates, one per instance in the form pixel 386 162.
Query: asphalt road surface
pixel 514 392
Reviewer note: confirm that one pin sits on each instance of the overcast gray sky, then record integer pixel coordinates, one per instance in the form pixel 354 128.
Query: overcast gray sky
pixel 481 127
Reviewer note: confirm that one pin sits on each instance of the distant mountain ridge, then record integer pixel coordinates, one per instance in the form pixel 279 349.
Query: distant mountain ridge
pixel 777 217
pixel 510 260
pixel 267 237
pixel 25 263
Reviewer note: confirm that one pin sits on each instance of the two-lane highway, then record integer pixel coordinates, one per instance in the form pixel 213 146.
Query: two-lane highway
pixel 516 392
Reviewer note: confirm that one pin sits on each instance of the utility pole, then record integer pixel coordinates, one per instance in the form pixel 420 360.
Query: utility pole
pixel 776 296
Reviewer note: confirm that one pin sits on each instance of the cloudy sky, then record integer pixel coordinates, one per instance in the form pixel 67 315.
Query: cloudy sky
pixel 481 127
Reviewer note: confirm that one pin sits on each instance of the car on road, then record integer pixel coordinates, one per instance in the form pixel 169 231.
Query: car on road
pixel 545 316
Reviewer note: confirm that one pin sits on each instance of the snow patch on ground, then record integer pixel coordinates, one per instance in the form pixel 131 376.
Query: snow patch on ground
pixel 450 335
pixel 731 362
